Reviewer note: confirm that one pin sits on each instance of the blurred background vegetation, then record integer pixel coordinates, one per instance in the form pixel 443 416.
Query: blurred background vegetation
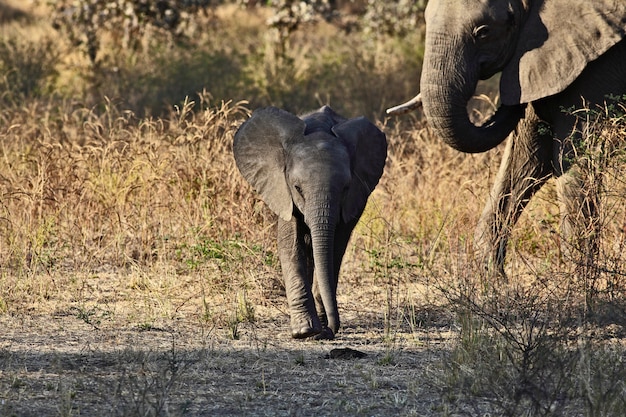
pixel 359 55
pixel 117 115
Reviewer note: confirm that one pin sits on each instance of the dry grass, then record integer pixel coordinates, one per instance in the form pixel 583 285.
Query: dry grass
pixel 139 276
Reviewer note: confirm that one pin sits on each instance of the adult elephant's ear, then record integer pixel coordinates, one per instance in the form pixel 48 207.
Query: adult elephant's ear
pixel 259 153
pixel 369 148
pixel 557 41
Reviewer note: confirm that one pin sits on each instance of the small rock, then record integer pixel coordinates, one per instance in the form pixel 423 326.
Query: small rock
pixel 345 353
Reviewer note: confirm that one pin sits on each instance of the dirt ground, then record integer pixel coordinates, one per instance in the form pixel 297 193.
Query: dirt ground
pixel 62 365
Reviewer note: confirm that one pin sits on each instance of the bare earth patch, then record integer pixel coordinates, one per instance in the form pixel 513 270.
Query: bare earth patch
pixel 64 363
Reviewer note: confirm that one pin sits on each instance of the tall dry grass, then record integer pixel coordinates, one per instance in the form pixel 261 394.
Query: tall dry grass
pixel 87 189
pixel 92 183
pixel 105 191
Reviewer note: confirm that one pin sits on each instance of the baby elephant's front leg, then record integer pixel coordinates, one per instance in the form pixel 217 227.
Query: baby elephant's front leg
pixel 298 277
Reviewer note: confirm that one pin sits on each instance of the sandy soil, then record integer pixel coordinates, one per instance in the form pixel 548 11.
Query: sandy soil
pixel 63 365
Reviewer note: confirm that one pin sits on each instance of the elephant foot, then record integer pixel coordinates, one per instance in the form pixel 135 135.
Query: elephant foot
pixel 304 332
pixel 325 334
pixel 491 251
pixel 303 327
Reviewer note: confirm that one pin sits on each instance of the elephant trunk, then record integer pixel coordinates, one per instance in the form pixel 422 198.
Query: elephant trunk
pixel 322 222
pixel 447 85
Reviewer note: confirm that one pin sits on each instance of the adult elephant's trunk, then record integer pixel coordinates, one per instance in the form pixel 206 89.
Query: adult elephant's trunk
pixel 322 222
pixel 449 78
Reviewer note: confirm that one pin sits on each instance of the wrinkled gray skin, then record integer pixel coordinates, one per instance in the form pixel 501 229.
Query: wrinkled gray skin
pixel 553 54
pixel 316 173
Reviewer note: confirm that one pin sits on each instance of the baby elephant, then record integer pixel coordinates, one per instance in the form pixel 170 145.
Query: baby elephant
pixel 316 173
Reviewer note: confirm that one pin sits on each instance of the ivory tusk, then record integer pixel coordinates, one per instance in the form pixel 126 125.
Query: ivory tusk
pixel 410 105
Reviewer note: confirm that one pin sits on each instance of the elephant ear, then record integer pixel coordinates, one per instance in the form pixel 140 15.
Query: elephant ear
pixel 259 153
pixel 558 40
pixel 368 148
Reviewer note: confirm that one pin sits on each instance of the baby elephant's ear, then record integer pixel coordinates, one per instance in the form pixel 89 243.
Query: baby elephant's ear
pixel 259 153
pixel 370 152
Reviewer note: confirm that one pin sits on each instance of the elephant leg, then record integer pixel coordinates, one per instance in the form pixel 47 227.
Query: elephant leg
pixel 578 191
pixel 326 333
pixel 525 167
pixel 319 306
pixel 578 194
pixel 296 260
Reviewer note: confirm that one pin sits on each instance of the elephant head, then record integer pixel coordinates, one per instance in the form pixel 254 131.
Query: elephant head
pixel 540 46
pixel 323 166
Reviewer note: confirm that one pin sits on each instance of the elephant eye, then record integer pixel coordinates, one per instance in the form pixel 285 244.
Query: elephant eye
pixel 481 32
pixel 298 189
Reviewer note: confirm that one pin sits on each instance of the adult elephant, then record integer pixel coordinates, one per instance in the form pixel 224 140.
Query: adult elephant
pixel 553 55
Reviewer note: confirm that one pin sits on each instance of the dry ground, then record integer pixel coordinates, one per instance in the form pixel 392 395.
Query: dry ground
pixel 95 362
